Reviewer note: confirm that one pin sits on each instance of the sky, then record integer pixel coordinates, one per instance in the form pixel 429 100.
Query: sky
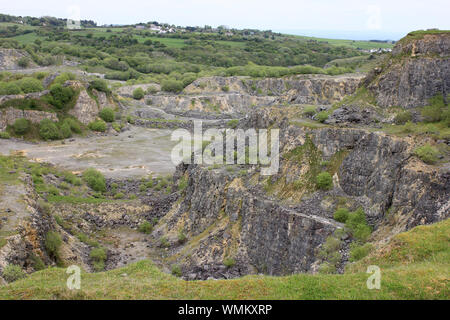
pixel 349 19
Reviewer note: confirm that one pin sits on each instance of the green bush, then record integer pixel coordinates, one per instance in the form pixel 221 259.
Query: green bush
pixel 23 62
pixel 95 180
pixel 341 215
pixel 427 154
pixel 403 117
pixel 38 264
pixel 21 126
pixel 48 130
pixel 322 116
pixel 432 113
pixel 229 262
pixel 358 251
pixel 66 131
pixel 182 238
pixel 145 227
pixel 28 85
pixel 310 111
pixel 9 88
pixel 53 243
pixel 107 114
pixel 13 273
pixel 172 86
pixel 357 225
pixel 119 195
pixel 98 125
pixel 4 135
pixel 99 85
pixel 60 96
pixel 98 256
pixel 73 124
pixel 138 93
pixel 233 123
pixel 176 270
pixel 324 181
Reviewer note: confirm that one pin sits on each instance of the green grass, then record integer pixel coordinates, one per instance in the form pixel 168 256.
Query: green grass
pixel 366 45
pixel 27 38
pixel 414 265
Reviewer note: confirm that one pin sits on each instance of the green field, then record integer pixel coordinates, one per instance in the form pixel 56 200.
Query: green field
pixel 414 265
pixel 355 44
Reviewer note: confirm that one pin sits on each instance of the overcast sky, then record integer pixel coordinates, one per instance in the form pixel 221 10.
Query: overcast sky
pixel 358 19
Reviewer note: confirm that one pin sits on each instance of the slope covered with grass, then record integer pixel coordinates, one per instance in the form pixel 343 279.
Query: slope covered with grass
pixel 414 265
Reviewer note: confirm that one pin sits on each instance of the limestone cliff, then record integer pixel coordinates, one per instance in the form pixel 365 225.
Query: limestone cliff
pixel 275 225
pixel 418 69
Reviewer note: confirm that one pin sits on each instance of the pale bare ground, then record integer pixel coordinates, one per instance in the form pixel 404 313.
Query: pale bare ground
pixel 131 154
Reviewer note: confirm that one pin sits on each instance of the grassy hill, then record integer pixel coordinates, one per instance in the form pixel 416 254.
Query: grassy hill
pixel 414 265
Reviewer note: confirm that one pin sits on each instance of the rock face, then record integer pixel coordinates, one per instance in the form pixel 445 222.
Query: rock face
pixel 418 70
pixel 9 115
pixel 237 96
pixel 86 109
pixel 228 104
pixel 10 57
pixel 229 214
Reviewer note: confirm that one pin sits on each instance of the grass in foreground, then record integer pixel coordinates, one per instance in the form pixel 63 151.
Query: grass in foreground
pixel 414 265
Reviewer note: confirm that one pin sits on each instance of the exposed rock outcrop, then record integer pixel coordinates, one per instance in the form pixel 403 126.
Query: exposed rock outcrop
pixel 418 70
pixel 9 59
pixel 227 214
pixel 9 115
pixel 86 109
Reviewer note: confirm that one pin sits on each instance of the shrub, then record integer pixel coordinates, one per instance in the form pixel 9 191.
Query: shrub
pixel 98 125
pixel 66 131
pixel 431 113
pixel 107 114
pixel 176 270
pixel 172 86
pixel 182 238
pixel 324 181
pixel 4 135
pixel 119 195
pixel 322 116
pixel 53 243
pixel 225 88
pixel 138 93
pixel 23 62
pixel 403 117
pixel 98 256
pixel 310 111
pixel 229 262
pixel 13 273
pixel 145 227
pixel 357 225
pixel 30 85
pixel 182 183
pixel 60 95
pixel 95 180
pixel 233 123
pixel 99 85
pixel 341 215
pixel 38 264
pixel 74 125
pixel 21 126
pixel 427 154
pixel 9 88
pixel 358 251
pixel 48 130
